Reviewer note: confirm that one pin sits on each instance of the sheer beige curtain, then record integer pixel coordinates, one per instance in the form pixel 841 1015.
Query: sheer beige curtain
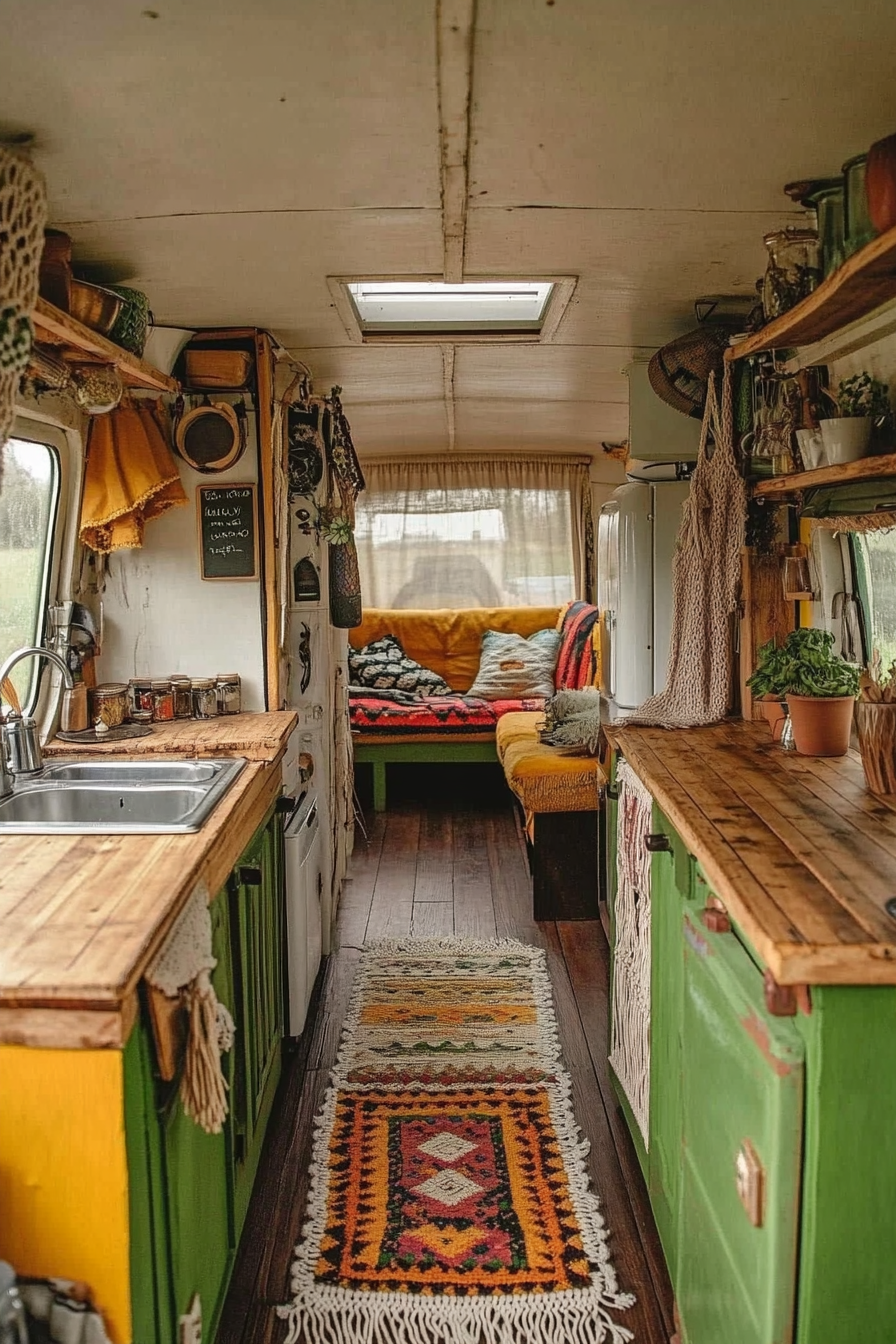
pixel 466 531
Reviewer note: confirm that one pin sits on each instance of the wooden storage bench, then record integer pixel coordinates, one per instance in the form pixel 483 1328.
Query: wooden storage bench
pixel 560 795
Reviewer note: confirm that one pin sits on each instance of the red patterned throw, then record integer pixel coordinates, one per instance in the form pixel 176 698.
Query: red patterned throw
pixel 450 1201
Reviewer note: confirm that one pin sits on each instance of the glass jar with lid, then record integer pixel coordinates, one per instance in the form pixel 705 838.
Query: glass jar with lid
pixel 205 698
pixel 793 270
pixel 229 692
pixel 183 696
pixel 162 701
pixel 857 227
pixel 110 703
pixel 139 694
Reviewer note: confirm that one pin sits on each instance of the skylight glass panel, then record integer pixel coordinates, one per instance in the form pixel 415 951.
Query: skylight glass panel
pixel 431 305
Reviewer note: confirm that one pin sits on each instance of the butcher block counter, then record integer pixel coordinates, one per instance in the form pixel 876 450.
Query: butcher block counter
pixel 83 915
pixel 800 853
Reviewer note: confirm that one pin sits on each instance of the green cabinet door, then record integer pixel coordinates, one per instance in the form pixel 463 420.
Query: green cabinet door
pixel 197 1167
pixel 742 1118
pixel 257 921
pixel 672 888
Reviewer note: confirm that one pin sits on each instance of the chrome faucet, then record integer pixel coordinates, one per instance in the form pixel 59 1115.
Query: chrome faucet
pixel 20 752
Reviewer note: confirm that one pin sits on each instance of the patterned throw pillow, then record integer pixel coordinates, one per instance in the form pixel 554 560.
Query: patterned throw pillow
pixel 511 667
pixel 383 665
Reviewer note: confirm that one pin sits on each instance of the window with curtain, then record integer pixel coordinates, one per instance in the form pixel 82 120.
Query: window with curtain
pixel 466 532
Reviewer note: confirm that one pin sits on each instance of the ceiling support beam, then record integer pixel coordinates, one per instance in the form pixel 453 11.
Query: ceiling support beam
pixel 448 354
pixel 455 29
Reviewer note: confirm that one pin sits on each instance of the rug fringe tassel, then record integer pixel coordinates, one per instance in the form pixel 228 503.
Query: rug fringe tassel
pixel 394 1319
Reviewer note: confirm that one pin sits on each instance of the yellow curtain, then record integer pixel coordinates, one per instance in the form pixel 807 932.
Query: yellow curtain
pixel 131 476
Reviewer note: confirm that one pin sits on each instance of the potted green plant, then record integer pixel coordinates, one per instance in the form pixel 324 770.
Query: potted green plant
pixel 820 688
pixel 769 685
pixel 862 403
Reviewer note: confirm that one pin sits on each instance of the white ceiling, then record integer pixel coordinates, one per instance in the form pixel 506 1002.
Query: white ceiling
pixel 227 157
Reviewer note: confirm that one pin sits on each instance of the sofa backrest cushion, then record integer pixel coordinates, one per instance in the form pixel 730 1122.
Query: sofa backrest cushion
pixel 449 642
pixel 513 667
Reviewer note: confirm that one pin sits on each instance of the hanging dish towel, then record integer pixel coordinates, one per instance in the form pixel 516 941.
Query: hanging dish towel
pixel 131 476
pixel 181 971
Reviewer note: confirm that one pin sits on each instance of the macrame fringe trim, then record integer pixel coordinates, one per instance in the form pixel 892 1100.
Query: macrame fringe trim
pixel 326 1314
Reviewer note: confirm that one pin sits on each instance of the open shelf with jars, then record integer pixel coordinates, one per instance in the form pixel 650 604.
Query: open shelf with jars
pixel 863 283
pixel 74 343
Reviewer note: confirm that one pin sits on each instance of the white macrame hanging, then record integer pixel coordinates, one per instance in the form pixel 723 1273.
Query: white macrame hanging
pixel 23 214
pixel 630 1033
pixel 705 579
pixel 181 970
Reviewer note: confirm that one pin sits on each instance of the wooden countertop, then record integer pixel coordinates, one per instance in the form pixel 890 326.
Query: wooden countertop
pixel 258 737
pixel 801 854
pixel 83 915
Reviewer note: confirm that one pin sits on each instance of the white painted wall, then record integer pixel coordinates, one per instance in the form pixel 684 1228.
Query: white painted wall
pixel 161 617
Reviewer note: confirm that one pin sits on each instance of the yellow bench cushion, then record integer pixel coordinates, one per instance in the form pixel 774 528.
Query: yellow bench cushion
pixel 545 779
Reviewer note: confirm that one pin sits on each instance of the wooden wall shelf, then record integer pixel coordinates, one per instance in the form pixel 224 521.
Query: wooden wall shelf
pixel 861 284
pixel 865 469
pixel 72 340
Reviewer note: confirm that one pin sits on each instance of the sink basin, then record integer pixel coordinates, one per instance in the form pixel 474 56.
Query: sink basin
pixel 118 797
pixel 133 772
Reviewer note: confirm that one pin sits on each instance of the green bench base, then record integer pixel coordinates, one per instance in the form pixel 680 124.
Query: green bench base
pixel 381 754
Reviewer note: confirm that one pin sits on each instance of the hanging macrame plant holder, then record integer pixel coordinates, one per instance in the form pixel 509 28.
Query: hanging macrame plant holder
pixel 705 579
pixel 181 973
pixel 346 481
pixel 23 213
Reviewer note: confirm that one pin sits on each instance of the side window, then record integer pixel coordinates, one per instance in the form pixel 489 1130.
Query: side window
pixel 875 566
pixel 29 500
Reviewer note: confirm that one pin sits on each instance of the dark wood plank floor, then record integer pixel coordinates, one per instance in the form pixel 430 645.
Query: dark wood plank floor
pixel 429 868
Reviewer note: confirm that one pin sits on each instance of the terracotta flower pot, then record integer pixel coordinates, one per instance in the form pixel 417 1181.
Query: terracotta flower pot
pixel 876 725
pixel 774 713
pixel 821 724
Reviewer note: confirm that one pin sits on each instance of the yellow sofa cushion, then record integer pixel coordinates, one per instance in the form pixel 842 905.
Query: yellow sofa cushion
pixel 544 778
pixel 447 641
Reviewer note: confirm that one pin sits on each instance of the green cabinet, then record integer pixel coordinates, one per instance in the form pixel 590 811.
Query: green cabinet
pixel 771 1145
pixel 741 1138
pixel 190 1190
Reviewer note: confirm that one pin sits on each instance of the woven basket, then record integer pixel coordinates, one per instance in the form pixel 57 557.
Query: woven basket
pixel 217 368
pixel 679 371
pixel 876 725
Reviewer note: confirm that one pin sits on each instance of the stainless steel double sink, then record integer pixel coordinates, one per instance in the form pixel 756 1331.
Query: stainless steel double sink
pixel 118 797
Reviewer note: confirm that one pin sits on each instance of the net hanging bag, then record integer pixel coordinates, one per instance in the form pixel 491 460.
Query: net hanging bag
pixel 705 579
pixel 23 213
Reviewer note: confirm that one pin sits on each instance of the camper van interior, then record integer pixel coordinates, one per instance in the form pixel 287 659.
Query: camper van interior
pixel 502 948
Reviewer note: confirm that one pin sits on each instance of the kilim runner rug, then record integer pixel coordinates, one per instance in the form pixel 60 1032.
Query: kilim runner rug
pixel 449 1199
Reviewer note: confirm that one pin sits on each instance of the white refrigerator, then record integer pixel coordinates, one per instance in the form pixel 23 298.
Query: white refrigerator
pixel 636 534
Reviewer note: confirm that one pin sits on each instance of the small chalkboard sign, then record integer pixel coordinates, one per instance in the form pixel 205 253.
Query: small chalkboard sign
pixel 228 534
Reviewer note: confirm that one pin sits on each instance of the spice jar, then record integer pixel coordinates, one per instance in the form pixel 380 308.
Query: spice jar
pixel 162 701
pixel 110 703
pixel 183 697
pixel 141 716
pixel 205 698
pixel 139 695
pixel 229 692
